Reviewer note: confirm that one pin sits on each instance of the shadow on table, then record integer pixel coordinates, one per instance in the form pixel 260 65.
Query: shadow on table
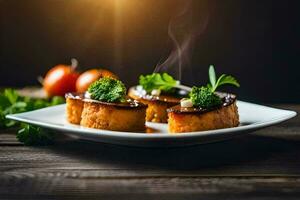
pixel 247 149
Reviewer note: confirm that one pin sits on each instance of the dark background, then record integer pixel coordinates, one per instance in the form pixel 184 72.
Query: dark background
pixel 256 41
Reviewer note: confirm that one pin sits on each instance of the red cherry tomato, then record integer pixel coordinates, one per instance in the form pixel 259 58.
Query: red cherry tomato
pixel 60 80
pixel 90 76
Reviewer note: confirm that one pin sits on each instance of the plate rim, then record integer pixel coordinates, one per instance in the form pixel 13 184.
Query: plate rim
pixel 134 135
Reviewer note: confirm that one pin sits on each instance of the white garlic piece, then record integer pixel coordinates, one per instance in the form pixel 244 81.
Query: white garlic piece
pixel 139 88
pixel 155 92
pixel 186 103
pixel 87 95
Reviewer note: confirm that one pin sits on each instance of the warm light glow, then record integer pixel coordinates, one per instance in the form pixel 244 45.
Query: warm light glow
pixel 118 32
pixel 118 9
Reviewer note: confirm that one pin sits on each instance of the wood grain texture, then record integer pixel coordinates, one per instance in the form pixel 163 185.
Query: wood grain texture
pixel 262 165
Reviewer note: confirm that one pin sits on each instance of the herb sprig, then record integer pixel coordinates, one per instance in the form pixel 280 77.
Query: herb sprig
pixel 163 82
pixel 222 80
pixel 11 102
pixel 33 135
pixel 205 96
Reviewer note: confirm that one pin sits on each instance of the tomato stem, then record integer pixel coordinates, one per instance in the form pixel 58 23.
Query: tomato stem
pixel 40 80
pixel 74 64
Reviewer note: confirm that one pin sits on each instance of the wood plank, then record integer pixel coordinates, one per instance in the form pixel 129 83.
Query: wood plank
pixel 177 188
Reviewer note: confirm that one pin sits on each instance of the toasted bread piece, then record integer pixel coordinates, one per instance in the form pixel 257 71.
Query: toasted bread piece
pixel 113 116
pixel 224 117
pixel 74 109
pixel 157 105
pixel 157 110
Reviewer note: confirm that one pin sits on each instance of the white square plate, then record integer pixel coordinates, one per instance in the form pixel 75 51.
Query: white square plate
pixel 252 117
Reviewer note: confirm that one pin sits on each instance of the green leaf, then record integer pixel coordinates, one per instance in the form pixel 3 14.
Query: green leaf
pixel 20 104
pixel 11 95
pixel 33 135
pixel 222 80
pixel 225 79
pixel 212 75
pixel 164 82
pixel 18 107
pixel 4 102
pixel 11 102
pixel 10 123
pixel 167 77
pixel 56 100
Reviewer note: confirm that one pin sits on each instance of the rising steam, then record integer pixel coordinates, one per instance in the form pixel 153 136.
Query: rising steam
pixel 183 30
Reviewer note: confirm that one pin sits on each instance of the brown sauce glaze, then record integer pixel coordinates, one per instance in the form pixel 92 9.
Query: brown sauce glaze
pixel 129 103
pixel 168 98
pixel 227 99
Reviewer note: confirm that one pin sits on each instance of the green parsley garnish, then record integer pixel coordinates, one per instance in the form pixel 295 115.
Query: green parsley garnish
pixel 163 82
pixel 108 90
pixel 33 135
pixel 205 97
pixel 11 102
pixel 222 80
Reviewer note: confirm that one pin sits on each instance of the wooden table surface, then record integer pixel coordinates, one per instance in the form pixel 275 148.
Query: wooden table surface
pixel 262 165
